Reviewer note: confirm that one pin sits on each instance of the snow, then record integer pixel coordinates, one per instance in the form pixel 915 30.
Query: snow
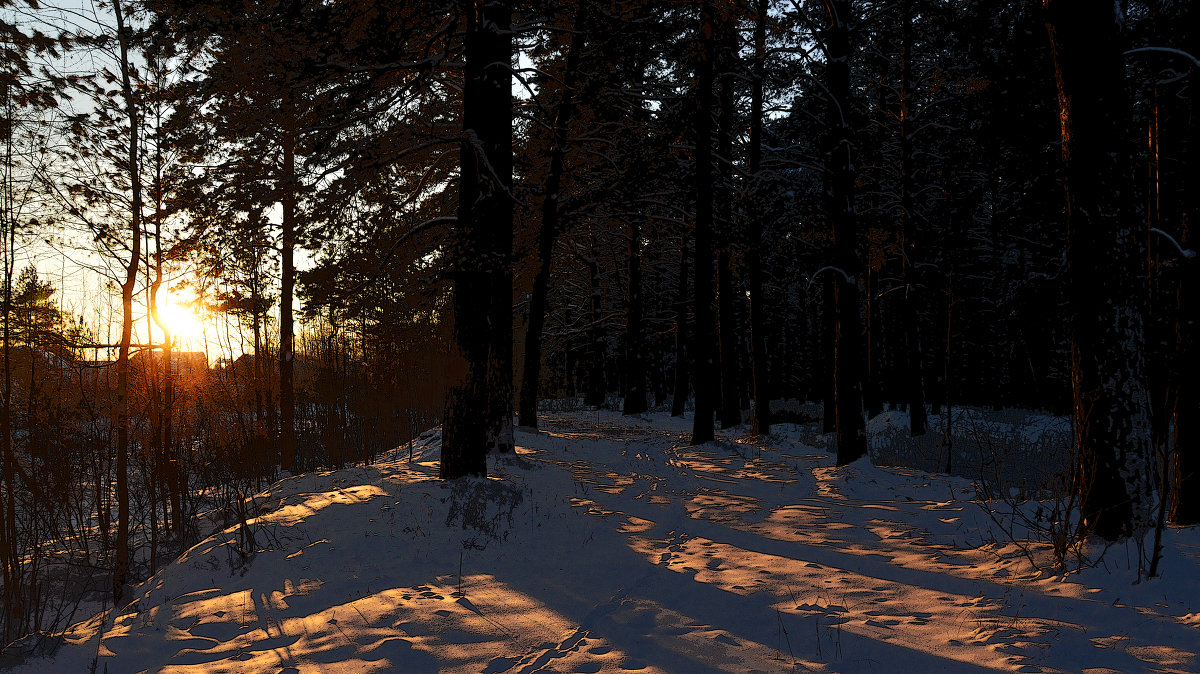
pixel 606 544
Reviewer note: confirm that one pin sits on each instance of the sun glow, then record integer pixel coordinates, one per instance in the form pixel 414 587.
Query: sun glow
pixel 183 319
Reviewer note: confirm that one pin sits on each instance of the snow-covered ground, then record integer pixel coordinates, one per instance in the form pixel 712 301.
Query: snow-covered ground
pixel 607 544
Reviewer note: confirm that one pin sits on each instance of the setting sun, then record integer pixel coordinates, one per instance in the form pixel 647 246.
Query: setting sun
pixel 182 319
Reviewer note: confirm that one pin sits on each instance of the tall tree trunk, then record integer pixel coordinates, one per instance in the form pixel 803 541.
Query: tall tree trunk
pixel 760 420
pixel 479 400
pixel 635 368
pixel 848 352
pixel 828 347
pixel 287 401
pixel 153 464
pixel 263 427
pixel 175 464
pixel 1158 324
pixel 164 393
pixel 121 566
pixel 702 346
pixel 727 338
pixel 914 384
pixel 1106 270
pixel 532 372
pixel 1185 507
pixel 680 395
pixel 10 559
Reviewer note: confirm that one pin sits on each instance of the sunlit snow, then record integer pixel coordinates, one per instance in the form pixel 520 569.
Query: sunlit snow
pixel 609 545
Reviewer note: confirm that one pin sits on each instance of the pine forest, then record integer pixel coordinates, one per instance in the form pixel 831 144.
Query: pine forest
pixel 595 281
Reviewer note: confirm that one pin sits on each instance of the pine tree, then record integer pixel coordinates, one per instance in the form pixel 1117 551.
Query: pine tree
pixel 847 353
pixel 702 333
pixel 1106 272
pixel 1185 490
pixel 478 412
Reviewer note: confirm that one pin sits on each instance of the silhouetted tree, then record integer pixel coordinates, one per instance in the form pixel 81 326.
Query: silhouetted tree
pixel 1106 276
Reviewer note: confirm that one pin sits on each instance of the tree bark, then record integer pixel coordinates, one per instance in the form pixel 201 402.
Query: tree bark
pixel 727 338
pixel 287 404
pixel 121 565
pixel 760 419
pixel 702 346
pixel 479 398
pixel 264 426
pixel 10 557
pixel 1185 490
pixel 848 352
pixel 914 380
pixel 165 396
pixel 1106 270
pixel 828 347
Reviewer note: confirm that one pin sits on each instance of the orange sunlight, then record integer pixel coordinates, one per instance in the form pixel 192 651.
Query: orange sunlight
pixel 183 319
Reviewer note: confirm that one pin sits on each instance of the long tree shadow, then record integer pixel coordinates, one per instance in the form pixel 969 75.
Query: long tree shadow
pixel 888 578
pixel 587 554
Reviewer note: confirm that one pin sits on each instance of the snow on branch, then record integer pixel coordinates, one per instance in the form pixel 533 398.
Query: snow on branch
pixel 1183 252
pixel 849 279
pixel 1166 50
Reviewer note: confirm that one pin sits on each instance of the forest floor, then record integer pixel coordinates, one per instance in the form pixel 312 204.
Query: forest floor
pixel 607 544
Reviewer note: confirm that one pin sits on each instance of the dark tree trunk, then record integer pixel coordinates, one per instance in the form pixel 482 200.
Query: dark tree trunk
pixel 848 351
pixel 165 398
pixel 265 418
pixel 1185 491
pixel 947 436
pixel 727 324
pixel 481 245
pixel 828 346
pixel 635 369
pixel 1106 270
pixel 1159 324
pixel 531 375
pixel 702 347
pixel 175 465
pixel 287 404
pixel 680 396
pixel 10 558
pixel 731 409
pixel 914 384
pixel 760 420
pixel 121 566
